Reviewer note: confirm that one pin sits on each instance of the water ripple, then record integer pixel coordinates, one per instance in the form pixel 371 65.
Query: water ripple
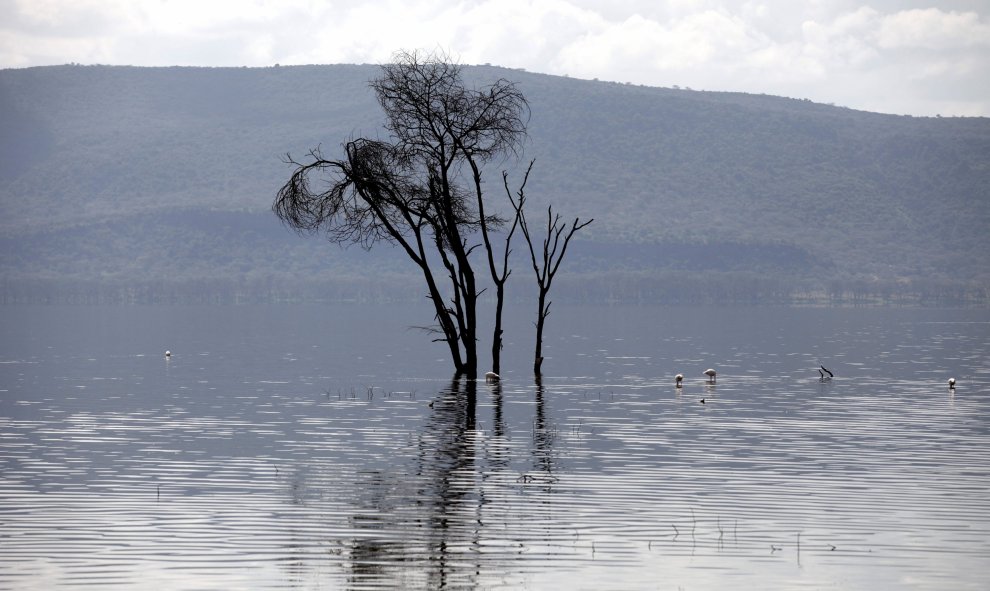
pixel 207 471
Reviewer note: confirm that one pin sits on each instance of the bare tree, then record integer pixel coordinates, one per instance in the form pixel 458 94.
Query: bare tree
pixel 500 273
pixel 558 237
pixel 421 189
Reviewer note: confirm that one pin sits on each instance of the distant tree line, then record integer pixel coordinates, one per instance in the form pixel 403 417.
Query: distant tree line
pixel 625 288
pixel 112 185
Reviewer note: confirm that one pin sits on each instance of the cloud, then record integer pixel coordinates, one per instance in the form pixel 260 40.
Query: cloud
pixel 842 42
pixel 933 29
pixel 876 54
pixel 521 33
pixel 695 40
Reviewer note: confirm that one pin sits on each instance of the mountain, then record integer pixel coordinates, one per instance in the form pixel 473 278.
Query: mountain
pixel 155 184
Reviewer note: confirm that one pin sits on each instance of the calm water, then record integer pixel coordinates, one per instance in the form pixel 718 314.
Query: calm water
pixel 327 448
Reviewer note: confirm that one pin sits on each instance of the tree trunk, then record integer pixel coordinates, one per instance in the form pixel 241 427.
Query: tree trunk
pixel 470 340
pixel 540 320
pixel 497 333
pixel 446 325
pixel 469 334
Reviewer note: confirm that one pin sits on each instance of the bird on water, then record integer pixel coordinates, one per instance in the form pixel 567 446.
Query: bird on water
pixel 711 375
pixel 830 375
pixel 952 383
pixel 678 379
pixel 491 377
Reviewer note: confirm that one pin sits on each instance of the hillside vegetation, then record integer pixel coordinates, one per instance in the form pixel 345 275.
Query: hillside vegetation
pixel 134 184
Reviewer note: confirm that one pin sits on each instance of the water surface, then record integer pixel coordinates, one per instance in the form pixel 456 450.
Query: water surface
pixel 328 447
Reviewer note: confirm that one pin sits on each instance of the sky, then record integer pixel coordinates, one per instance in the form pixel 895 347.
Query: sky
pixel 909 57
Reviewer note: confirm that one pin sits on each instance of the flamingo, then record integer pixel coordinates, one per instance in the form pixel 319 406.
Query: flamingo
pixel 711 375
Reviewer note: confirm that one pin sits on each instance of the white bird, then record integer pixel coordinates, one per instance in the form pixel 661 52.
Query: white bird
pixel 168 353
pixel 491 377
pixel 678 379
pixel 711 375
pixel 952 383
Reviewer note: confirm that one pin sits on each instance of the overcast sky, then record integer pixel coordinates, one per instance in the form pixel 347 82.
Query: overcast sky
pixel 918 57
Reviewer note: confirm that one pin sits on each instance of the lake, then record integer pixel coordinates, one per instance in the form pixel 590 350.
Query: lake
pixel 327 447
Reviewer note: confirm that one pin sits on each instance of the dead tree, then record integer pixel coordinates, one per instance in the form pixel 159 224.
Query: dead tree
pixel 558 237
pixel 499 271
pixel 421 189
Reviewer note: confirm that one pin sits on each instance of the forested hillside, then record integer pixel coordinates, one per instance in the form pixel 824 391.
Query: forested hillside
pixel 154 184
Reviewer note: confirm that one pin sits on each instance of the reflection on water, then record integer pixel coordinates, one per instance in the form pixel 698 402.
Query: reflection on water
pixel 265 454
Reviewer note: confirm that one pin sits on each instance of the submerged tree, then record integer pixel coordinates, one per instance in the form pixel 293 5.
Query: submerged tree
pixel 421 189
pixel 558 237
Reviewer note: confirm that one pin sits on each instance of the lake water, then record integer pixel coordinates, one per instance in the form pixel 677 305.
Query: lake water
pixel 326 447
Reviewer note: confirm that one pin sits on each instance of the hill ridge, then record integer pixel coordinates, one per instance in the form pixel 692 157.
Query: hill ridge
pixel 830 195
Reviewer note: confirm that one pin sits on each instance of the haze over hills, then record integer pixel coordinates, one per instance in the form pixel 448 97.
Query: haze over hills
pixel 155 184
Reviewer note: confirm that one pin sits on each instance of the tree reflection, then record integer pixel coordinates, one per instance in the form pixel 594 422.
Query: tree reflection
pixel 448 509
pixel 544 435
pixel 419 529
pixel 498 448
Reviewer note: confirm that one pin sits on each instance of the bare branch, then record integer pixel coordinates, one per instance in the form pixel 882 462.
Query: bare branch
pixel 420 188
pixel 554 247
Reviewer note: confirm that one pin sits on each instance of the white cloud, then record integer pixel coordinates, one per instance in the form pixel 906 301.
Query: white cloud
pixel 648 50
pixel 520 33
pixel 843 42
pixel 933 29
pixel 874 54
